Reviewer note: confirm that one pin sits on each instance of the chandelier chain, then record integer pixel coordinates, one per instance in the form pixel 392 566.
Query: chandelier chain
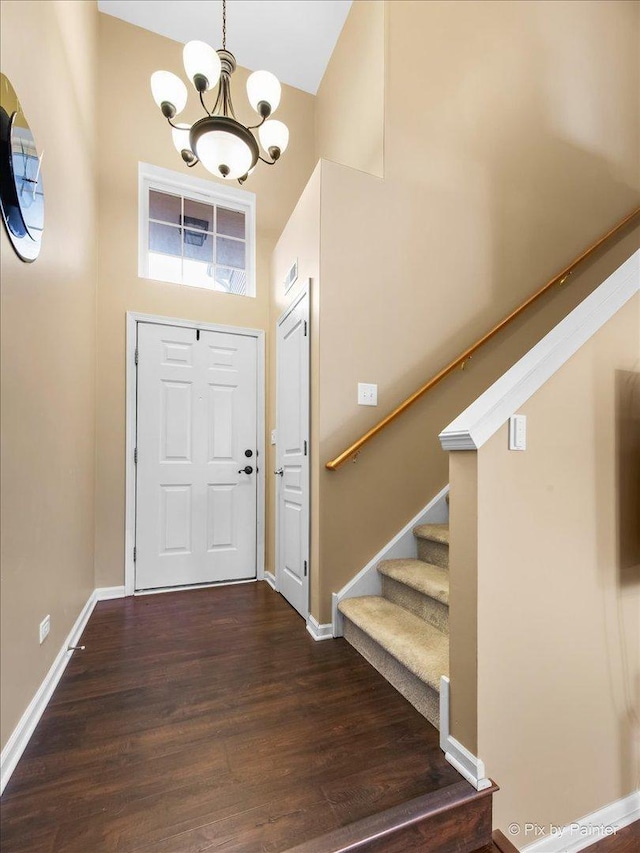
pixel 224 24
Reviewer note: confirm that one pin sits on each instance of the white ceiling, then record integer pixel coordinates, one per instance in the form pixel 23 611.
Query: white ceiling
pixel 294 39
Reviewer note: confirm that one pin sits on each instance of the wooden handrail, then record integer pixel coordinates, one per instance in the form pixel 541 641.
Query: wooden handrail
pixel 560 278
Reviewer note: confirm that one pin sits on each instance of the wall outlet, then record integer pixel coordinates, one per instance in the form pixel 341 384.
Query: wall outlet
pixel 367 394
pixel 518 432
pixel 45 627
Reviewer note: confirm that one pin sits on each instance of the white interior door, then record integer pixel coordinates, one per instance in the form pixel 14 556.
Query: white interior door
pixel 292 455
pixel 196 508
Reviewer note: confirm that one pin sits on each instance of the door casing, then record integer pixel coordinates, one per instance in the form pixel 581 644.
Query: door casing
pixel 305 290
pixel 132 320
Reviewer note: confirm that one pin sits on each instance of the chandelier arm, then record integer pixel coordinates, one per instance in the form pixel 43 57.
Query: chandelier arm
pixel 177 126
pixel 218 99
pixel 256 126
pixel 268 162
pixel 204 106
pixel 228 104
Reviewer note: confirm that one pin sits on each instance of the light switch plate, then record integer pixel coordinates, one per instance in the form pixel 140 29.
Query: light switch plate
pixel 518 432
pixel 45 627
pixel 367 394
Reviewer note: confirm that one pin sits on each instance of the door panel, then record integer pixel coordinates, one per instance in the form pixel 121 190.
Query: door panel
pixel 196 514
pixel 175 421
pixel 292 456
pixel 175 519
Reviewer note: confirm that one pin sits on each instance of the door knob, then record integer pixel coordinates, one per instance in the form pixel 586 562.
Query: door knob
pixel 279 472
pixel 246 470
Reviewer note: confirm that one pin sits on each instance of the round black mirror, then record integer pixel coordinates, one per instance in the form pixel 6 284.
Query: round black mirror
pixel 21 186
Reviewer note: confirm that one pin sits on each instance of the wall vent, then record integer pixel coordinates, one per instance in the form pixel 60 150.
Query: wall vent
pixel 291 276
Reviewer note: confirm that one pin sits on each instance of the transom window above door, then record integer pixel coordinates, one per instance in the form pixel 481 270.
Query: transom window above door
pixel 196 233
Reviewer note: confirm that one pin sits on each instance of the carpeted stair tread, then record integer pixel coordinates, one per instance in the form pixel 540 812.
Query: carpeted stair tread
pixel 416 644
pixel 423 577
pixel 433 532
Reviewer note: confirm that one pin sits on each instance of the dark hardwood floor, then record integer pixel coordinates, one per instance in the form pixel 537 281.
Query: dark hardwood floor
pixel 626 840
pixel 210 720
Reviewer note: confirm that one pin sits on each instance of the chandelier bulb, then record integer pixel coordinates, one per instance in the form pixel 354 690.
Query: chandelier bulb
pixel 169 93
pixel 263 88
pixel 274 136
pixel 201 64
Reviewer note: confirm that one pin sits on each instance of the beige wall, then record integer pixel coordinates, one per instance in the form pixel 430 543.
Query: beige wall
pixel 558 636
pixel 48 350
pixel 350 99
pixel 128 56
pixel 502 161
pixel 463 598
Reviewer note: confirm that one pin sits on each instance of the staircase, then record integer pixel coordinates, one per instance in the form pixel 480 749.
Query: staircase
pixel 404 633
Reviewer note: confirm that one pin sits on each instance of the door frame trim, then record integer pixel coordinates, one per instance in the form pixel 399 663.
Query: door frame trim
pixel 132 320
pixel 305 290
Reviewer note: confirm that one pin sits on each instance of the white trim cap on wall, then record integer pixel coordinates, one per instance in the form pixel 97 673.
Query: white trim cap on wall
pixel 484 417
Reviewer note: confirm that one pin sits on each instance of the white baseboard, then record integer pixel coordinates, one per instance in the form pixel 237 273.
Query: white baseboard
pixel 403 544
pixel 594 827
pixel 20 736
pixel 465 762
pixel 270 579
pixel 106 593
pixel 318 631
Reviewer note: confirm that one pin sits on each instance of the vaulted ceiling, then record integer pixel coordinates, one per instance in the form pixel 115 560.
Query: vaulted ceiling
pixel 293 39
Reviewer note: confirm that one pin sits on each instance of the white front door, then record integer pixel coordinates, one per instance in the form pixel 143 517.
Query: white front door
pixel 196 508
pixel 292 455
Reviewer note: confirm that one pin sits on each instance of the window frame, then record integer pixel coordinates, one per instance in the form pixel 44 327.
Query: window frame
pixel 198 190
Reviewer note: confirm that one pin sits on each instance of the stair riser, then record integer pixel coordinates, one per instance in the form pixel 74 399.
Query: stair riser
pixel 459 830
pixel 434 552
pixel 434 612
pixel 422 697
pixel 449 821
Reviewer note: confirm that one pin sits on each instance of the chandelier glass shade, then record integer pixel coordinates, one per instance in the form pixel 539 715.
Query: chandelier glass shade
pixel 225 147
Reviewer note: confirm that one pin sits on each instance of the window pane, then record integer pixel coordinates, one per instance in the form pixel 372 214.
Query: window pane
pixel 164 207
pixel 230 252
pixel 165 267
pixel 165 239
pixel 197 215
pixel 198 246
pixel 231 281
pixel 231 223
pixel 198 274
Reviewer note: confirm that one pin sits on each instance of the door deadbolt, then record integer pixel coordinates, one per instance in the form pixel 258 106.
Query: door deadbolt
pixel 248 453
pixel 246 470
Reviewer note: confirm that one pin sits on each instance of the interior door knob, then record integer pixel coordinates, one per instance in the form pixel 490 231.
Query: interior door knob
pixel 279 472
pixel 246 470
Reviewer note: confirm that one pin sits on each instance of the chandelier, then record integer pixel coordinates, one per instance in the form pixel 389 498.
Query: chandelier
pixel 223 145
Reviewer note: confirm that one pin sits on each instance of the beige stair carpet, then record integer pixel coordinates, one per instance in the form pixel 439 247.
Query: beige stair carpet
pixel 420 647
